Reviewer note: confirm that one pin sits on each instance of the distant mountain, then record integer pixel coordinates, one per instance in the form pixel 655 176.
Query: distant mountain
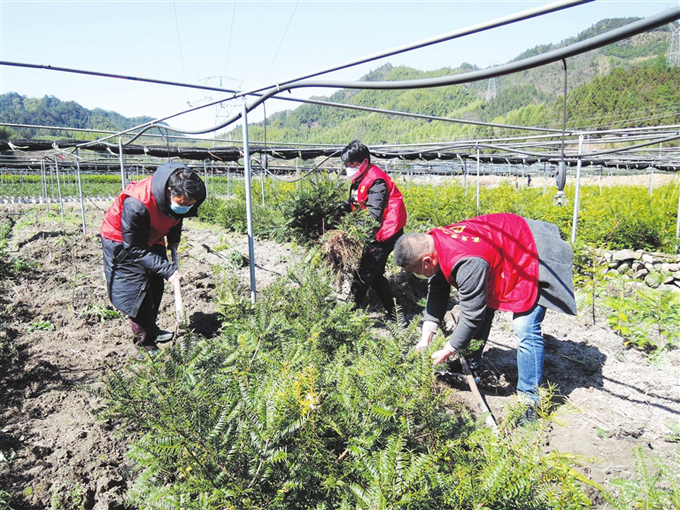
pixel 624 84
pixel 532 97
pixel 50 111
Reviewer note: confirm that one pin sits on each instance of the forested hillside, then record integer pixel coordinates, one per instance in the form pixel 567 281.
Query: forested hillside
pixel 50 111
pixel 624 84
pixel 596 82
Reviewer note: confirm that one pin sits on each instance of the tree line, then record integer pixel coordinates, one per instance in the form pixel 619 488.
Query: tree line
pixel 51 111
pixel 626 84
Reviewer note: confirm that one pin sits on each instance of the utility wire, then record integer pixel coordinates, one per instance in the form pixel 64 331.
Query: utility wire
pixel 598 41
pixel 271 93
pixel 282 39
pixel 179 42
pixel 231 32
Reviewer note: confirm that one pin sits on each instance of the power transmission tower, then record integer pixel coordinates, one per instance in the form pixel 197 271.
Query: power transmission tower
pixel 491 89
pixel 673 56
pixel 222 111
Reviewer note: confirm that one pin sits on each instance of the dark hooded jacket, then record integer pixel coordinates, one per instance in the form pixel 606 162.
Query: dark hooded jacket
pixel 129 265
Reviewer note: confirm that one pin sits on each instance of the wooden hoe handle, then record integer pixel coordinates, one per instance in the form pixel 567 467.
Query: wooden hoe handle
pixel 490 421
pixel 179 306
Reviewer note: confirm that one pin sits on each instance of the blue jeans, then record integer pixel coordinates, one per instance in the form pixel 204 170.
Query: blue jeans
pixel 530 351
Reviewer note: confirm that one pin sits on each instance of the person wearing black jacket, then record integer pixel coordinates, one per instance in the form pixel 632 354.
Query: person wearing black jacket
pixel 133 235
pixel 373 190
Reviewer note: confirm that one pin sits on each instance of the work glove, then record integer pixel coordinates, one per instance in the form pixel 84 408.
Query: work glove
pixel 428 331
pixel 443 354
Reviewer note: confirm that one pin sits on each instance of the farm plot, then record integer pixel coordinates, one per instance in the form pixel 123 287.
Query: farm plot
pixel 59 336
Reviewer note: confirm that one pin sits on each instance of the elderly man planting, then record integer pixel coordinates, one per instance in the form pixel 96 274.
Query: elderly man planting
pixel 497 262
pixel 133 241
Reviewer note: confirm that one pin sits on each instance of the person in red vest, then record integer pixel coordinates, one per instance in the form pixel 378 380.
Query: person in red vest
pixel 496 262
pixel 373 190
pixel 133 237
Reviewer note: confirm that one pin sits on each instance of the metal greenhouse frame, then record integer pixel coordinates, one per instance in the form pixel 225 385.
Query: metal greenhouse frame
pixel 545 145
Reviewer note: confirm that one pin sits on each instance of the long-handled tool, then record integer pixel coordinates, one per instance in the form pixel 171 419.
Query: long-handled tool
pixel 490 421
pixel 179 306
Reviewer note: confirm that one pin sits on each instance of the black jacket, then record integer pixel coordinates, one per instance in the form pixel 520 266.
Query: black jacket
pixel 129 265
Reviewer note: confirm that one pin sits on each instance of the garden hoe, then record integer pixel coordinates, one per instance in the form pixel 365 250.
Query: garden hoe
pixel 478 396
pixel 179 306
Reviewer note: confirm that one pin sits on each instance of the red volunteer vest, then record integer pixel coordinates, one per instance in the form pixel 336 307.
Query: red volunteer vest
pixel 507 244
pixel 394 215
pixel 160 223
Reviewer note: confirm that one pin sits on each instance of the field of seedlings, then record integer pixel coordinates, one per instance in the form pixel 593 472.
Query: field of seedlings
pixel 299 400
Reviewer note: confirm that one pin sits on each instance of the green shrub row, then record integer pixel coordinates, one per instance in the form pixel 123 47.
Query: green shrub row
pixel 299 404
pixel 301 211
pixel 614 217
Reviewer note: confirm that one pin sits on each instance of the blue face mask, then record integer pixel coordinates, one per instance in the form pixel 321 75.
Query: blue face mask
pixel 179 209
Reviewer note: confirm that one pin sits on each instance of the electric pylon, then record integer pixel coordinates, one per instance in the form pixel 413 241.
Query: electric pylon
pixel 491 89
pixel 673 56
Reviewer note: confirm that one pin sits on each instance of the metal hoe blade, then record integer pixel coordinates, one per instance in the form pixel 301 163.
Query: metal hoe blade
pixel 490 421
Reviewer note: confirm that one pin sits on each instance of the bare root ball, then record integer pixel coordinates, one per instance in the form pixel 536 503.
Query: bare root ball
pixel 342 252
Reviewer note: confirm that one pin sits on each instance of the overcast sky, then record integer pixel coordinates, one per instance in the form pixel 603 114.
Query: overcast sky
pixel 247 44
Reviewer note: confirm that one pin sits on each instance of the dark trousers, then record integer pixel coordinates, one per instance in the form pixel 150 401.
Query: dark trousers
pixel 143 325
pixel 371 273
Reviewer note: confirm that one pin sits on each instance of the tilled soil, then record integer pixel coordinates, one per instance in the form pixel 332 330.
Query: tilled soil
pixel 55 454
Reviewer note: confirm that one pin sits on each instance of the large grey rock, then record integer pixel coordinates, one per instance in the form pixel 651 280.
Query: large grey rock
pixel 624 267
pixel 652 281
pixel 641 273
pixel 623 255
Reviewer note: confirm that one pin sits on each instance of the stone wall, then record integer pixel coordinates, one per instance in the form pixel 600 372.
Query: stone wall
pixel 656 270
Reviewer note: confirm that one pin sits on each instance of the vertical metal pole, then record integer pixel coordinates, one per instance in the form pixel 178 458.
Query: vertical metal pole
pixel 545 174
pixel 80 193
pixel 465 178
pixel 51 186
pixel 478 179
pixel 43 180
pixel 262 175
pixel 651 181
pixel 600 180
pixel 122 167
pixel 578 191
pixel 677 224
pixel 61 200
pixel 205 178
pixel 249 203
